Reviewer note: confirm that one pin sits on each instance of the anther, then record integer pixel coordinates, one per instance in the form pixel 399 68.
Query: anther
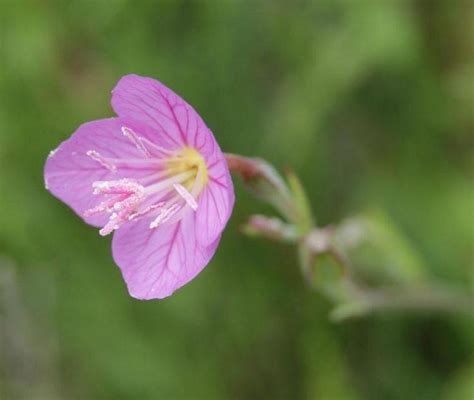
pixel 145 211
pixel 96 156
pixel 188 197
pixel 122 186
pixel 164 215
pixel 136 140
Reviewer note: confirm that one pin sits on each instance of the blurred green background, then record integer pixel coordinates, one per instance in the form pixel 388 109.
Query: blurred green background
pixel 370 102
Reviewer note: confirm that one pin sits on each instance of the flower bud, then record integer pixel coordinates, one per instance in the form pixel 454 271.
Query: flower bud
pixel 270 228
pixel 264 182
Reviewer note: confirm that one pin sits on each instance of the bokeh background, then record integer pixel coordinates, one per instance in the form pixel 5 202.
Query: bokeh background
pixel 369 102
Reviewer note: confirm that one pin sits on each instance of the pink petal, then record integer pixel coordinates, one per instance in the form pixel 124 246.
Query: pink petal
pixel 69 172
pixel 149 101
pixel 215 203
pixel 156 262
pixel 152 103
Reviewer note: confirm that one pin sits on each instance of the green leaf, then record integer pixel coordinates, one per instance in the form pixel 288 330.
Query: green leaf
pixel 379 250
pixel 303 216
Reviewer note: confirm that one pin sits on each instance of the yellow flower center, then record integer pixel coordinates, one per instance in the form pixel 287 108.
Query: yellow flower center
pixel 188 160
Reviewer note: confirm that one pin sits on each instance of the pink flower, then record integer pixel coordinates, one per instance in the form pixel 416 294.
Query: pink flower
pixel 156 176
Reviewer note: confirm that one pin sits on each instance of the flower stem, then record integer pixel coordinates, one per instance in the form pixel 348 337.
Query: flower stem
pixel 421 298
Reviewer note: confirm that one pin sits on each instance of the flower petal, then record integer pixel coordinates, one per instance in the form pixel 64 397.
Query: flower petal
pixel 156 262
pixel 69 172
pixel 215 203
pixel 149 101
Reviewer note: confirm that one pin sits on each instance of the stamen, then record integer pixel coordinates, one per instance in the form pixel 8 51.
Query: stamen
pixel 153 177
pixel 131 195
pixel 147 163
pixel 110 226
pixel 164 215
pixel 105 206
pixel 156 147
pixel 96 156
pixel 129 204
pixel 188 198
pixel 112 163
pixel 145 211
pixel 178 178
pixel 136 140
pixel 121 186
pixel 197 186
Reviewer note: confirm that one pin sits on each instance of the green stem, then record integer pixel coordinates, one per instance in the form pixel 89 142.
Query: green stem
pixel 420 298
